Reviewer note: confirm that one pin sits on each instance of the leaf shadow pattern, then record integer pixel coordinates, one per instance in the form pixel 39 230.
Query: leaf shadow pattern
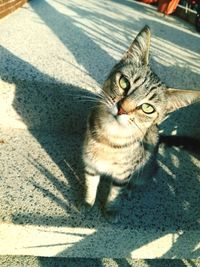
pixel 148 210
pixel 171 263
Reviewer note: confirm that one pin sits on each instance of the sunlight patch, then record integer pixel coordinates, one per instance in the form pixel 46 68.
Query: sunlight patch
pixel 156 248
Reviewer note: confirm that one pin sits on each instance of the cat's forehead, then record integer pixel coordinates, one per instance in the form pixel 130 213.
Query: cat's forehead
pixel 131 69
pixel 144 83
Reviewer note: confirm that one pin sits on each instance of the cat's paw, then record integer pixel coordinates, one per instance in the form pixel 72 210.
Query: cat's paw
pixel 139 182
pixel 112 216
pixel 84 207
pixel 129 194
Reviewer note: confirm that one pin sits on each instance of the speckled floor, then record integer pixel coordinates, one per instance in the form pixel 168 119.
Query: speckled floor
pixel 42 180
pixel 40 185
pixel 22 261
pixel 50 53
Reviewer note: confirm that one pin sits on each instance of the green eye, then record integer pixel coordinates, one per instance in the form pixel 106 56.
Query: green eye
pixel 124 83
pixel 147 108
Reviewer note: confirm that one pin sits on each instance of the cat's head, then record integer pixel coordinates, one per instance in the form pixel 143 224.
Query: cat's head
pixel 138 96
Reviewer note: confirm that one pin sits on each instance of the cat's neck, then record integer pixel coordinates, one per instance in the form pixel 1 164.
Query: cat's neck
pixel 105 125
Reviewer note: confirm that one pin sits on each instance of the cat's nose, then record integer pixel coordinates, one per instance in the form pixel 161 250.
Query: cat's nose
pixel 126 106
pixel 120 109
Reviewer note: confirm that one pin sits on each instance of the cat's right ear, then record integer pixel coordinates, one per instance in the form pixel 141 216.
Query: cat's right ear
pixel 139 49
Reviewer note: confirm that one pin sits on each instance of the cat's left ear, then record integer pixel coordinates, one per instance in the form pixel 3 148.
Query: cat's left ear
pixel 177 98
pixel 139 49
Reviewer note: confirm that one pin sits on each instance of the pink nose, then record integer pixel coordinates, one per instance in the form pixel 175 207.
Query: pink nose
pixel 121 111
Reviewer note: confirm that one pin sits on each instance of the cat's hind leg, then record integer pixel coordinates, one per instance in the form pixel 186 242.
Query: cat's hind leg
pixel 143 177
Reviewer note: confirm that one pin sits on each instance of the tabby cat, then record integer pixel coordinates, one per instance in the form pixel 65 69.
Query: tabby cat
pixel 122 137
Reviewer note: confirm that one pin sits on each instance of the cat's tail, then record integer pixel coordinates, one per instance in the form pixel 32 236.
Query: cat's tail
pixel 188 143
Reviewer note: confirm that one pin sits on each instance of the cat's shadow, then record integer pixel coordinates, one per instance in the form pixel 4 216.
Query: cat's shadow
pixel 55 115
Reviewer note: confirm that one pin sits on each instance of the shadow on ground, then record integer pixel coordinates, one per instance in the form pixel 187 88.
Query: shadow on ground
pixel 170 203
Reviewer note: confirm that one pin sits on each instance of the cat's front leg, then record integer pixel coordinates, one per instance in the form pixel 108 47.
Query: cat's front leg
pixel 135 182
pixel 113 203
pixel 91 184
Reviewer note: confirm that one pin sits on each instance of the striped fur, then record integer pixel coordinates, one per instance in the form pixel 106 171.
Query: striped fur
pixel 121 141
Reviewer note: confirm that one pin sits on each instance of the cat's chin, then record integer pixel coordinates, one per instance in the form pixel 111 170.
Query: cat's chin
pixel 123 120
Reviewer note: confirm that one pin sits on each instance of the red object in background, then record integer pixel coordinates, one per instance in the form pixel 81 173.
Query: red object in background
pixel 167 6
pixel 148 1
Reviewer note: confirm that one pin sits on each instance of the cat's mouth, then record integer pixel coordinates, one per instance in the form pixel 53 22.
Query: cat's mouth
pixel 120 115
pixel 117 110
pixel 120 110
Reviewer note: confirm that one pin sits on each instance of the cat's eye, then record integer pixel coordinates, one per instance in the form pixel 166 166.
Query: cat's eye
pixel 147 108
pixel 124 83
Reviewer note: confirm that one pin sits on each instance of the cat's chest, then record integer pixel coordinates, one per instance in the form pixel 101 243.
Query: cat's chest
pixel 111 161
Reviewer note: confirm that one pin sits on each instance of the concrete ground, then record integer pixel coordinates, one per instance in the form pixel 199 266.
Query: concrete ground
pixel 23 261
pixel 52 52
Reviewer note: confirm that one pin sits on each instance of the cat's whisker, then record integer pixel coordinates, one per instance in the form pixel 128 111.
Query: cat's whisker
pixel 106 96
pixel 82 95
pixel 84 100
pixel 86 97
pixel 105 101
pixel 96 98
pixel 138 127
pixel 93 107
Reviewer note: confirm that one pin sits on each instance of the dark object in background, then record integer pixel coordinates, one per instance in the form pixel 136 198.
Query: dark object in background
pixel 195 5
pixel 197 21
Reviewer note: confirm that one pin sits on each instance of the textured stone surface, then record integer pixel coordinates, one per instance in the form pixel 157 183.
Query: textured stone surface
pixel 17 261
pixel 41 182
